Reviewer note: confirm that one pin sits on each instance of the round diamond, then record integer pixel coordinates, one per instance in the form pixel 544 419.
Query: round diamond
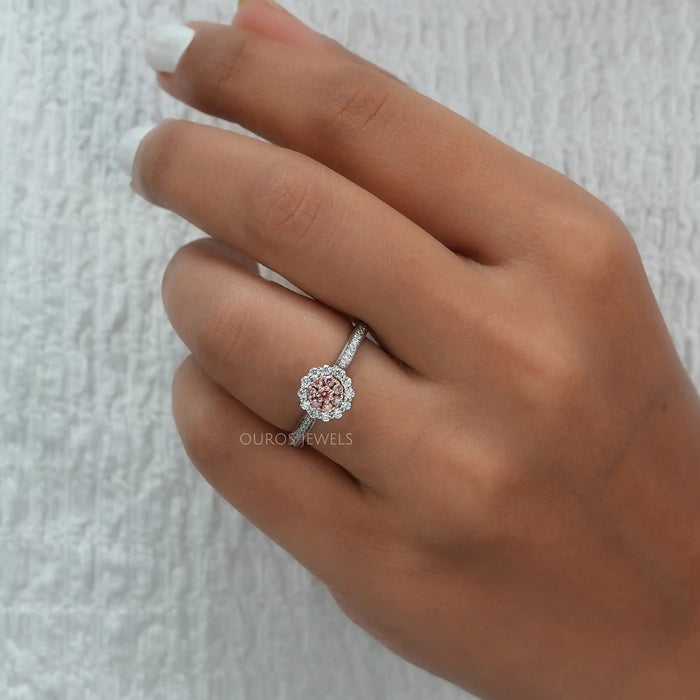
pixel 325 392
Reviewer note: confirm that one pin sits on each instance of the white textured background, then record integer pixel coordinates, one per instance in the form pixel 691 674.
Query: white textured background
pixel 123 576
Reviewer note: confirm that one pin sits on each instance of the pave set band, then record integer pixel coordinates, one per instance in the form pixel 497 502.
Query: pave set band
pixel 326 392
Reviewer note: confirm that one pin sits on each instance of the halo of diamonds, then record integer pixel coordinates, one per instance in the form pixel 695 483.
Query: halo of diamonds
pixel 317 376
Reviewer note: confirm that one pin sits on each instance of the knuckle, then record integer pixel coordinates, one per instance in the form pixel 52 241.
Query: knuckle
pixel 496 480
pixel 184 269
pixel 168 281
pixel 221 335
pixel 603 258
pixel 599 249
pixel 228 66
pixel 198 422
pixel 290 204
pixel 547 372
pixel 500 497
pixel 562 375
pixel 500 485
pixel 177 264
pixel 201 435
pixel 356 99
pixel 160 151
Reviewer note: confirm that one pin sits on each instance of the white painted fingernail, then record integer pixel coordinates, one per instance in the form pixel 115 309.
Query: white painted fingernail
pixel 166 45
pixel 129 144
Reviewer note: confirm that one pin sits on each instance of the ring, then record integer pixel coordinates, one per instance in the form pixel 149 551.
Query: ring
pixel 326 392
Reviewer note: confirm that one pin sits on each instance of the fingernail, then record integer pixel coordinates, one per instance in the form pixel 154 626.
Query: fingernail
pixel 129 145
pixel 166 45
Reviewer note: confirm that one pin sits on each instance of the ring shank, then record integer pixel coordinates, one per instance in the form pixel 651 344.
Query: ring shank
pixel 348 352
pixel 296 437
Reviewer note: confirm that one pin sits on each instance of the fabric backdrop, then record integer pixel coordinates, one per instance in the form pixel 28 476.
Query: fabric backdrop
pixel 123 575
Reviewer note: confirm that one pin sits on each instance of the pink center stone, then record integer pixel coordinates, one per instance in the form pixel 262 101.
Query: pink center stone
pixel 325 393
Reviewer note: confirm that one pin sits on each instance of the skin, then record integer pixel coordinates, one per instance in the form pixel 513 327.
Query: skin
pixel 518 508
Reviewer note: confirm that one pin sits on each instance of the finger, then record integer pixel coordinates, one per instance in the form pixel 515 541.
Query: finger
pixel 471 191
pixel 281 25
pixel 257 339
pixel 299 498
pixel 329 237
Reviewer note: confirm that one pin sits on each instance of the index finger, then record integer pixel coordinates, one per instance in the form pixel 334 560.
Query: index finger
pixel 279 79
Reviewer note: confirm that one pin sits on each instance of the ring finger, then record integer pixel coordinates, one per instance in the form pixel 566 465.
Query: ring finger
pixel 257 339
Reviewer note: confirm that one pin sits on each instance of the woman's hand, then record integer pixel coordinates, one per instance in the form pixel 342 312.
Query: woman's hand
pixel 513 501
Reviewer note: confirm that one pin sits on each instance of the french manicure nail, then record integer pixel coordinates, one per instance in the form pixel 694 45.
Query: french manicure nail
pixel 129 145
pixel 166 45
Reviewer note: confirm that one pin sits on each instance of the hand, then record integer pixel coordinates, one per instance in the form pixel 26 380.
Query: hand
pixel 516 509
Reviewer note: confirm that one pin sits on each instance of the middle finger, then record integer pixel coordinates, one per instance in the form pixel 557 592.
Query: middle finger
pixel 334 240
